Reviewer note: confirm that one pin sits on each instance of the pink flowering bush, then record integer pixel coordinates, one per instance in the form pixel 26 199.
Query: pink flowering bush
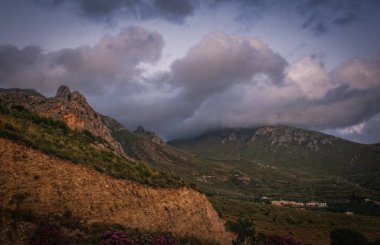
pixel 48 234
pixel 117 237
pixel 278 240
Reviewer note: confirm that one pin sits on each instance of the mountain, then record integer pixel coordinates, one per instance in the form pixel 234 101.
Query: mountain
pixel 70 107
pixel 52 172
pixel 236 169
pixel 290 148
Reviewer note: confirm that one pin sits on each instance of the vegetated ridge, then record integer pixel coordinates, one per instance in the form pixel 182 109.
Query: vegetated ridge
pixel 291 148
pixel 92 196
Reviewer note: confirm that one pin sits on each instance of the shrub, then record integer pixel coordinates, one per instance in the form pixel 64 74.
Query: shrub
pixel 116 237
pixel 345 236
pixel 278 240
pixel 48 234
pixel 164 240
pixel 244 229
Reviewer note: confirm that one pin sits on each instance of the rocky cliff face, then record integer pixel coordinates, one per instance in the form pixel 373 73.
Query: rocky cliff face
pixel 284 136
pixel 70 107
pixel 52 187
pixel 154 137
pixel 278 136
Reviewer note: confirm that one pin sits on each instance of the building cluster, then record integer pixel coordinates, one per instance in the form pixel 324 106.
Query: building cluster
pixel 282 203
pixel 367 200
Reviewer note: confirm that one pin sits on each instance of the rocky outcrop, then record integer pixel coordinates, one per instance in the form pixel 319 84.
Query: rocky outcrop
pixel 70 107
pixel 284 136
pixel 154 137
pixel 53 187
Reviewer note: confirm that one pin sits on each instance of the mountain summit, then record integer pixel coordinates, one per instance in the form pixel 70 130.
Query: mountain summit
pixel 70 107
pixel 288 147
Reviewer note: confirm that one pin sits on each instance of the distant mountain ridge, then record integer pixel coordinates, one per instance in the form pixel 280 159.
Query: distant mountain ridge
pixel 287 147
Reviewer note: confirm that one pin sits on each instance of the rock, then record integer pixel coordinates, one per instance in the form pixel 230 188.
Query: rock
pixel 63 92
pixel 284 136
pixel 155 138
pixel 67 106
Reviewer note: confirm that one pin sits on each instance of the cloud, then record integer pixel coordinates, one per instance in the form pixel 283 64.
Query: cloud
pixel 358 73
pixel 321 15
pixel 308 96
pixel 111 62
pixel 217 63
pixel 100 10
pixel 367 132
pixel 310 76
pixel 223 81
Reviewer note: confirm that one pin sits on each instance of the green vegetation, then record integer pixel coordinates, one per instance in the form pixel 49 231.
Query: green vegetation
pixel 310 226
pixel 56 138
pixel 346 236
pixel 341 173
pixel 291 148
pixel 244 230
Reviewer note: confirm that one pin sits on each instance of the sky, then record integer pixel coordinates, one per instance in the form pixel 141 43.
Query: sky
pixel 183 67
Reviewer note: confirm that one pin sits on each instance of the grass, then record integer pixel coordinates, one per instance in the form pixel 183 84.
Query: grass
pixel 56 138
pixel 311 227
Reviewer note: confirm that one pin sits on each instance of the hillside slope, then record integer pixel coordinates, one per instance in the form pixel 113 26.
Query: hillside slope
pixel 290 148
pixel 52 186
pixel 67 106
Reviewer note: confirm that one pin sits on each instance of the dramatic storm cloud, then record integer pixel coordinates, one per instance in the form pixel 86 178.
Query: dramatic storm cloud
pixel 308 96
pixel 320 15
pixel 100 10
pixel 184 67
pixel 111 62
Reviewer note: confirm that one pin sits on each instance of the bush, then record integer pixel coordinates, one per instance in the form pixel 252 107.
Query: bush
pixel 113 237
pixel 244 229
pixel 48 234
pixel 278 240
pixel 345 236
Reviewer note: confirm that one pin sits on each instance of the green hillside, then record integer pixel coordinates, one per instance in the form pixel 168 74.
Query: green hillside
pixel 293 149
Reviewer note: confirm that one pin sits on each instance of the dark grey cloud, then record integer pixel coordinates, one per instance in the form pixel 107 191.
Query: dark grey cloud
pixel 363 132
pixel 114 60
pixel 220 61
pixel 13 58
pixel 317 16
pixel 110 10
pixel 321 15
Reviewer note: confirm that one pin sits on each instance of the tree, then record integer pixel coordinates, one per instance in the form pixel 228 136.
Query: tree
pixel 244 229
pixel 345 236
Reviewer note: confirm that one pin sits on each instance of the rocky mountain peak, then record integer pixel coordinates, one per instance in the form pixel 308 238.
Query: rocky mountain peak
pixel 283 136
pixel 155 138
pixel 63 92
pixel 67 106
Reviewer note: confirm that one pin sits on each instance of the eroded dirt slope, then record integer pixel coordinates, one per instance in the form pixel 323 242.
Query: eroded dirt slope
pixel 54 186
